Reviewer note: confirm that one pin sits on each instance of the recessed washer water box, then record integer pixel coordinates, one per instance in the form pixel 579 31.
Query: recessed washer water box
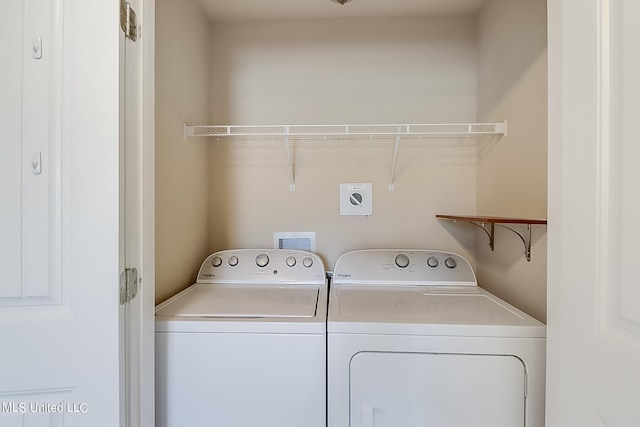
pixel 301 240
pixel 356 199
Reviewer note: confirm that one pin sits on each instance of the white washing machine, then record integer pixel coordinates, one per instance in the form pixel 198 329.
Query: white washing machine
pixel 246 344
pixel 413 341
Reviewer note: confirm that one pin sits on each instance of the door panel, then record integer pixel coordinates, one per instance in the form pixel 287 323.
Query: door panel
pixel 39 409
pixel 594 205
pixel 30 263
pixel 58 214
pixel 30 225
pixel 444 390
pixel 10 152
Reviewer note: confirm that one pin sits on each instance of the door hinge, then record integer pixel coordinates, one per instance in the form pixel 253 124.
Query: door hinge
pixel 128 285
pixel 128 21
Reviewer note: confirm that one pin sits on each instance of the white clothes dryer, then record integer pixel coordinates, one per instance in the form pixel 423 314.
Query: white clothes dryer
pixel 246 344
pixel 413 341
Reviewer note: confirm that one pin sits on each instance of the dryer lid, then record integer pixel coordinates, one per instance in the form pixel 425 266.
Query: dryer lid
pixel 216 301
pixel 425 310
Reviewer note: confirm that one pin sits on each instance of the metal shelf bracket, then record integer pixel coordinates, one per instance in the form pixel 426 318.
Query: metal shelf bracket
pixel 488 224
pixel 489 229
pixel 526 239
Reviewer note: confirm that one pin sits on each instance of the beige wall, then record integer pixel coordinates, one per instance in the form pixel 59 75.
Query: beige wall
pixel 512 84
pixel 218 195
pixel 335 71
pixel 340 72
pixel 182 95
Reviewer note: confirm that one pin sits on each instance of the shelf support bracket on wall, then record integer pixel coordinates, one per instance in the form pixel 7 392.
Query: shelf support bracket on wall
pixel 487 224
pixel 392 179
pixel 489 230
pixel 292 176
pixel 526 239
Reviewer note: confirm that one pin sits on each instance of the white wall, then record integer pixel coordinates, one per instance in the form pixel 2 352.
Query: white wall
pixel 182 95
pixel 512 85
pixel 340 71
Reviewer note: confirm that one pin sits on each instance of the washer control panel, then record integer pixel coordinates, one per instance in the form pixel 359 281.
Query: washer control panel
pixel 262 266
pixel 403 266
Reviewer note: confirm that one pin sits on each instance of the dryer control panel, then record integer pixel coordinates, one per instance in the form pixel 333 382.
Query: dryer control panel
pixel 403 266
pixel 262 266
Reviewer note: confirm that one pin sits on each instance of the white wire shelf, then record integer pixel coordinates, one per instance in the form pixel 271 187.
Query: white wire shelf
pixel 397 132
pixel 370 131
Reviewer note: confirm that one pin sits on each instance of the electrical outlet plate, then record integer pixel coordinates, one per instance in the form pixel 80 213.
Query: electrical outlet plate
pixel 356 199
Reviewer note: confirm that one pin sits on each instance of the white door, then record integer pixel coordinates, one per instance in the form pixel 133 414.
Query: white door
pixel 59 221
pixel 594 208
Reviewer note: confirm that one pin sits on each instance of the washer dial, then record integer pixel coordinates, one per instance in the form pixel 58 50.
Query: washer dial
pixel 291 261
pixel 262 260
pixel 432 262
pixel 307 261
pixel 233 260
pixel 402 260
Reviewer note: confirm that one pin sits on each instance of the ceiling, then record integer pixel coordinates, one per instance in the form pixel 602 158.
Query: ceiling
pixel 234 10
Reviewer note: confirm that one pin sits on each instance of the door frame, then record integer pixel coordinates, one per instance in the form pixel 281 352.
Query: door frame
pixel 137 332
pixel 147 359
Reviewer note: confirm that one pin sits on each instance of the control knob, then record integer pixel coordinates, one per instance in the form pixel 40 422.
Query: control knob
pixel 291 261
pixel 262 260
pixel 450 262
pixel 233 260
pixel 402 260
pixel 432 262
pixel 307 261
pixel 216 261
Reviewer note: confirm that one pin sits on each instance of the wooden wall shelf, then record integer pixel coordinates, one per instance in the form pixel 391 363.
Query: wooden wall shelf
pixel 488 224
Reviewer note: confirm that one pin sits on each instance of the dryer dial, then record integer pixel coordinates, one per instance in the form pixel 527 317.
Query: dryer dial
pixel 450 262
pixel 432 262
pixel 402 260
pixel 233 260
pixel 262 260
pixel 291 261
pixel 307 261
pixel 216 261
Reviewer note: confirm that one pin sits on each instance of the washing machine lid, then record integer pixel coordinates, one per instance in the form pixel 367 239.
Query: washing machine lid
pixel 237 301
pixel 427 310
